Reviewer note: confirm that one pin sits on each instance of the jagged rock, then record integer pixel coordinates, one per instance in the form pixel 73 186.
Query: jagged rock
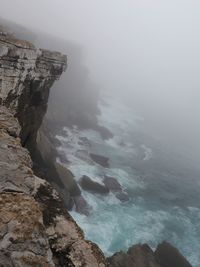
pixel 142 256
pixel 45 146
pixel 91 186
pixel 81 205
pixel 169 256
pixel 35 227
pixel 101 160
pixel 137 256
pixel 67 179
pixel 26 75
pixel 32 217
pixel 113 185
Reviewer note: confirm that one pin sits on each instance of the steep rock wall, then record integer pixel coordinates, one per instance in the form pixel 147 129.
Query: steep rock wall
pixel 26 75
pixel 35 228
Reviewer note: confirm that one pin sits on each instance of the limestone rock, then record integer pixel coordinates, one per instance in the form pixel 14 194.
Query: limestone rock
pixel 35 227
pixel 26 75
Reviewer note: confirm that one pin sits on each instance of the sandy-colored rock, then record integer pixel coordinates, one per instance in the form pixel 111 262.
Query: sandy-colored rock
pixel 26 75
pixel 35 227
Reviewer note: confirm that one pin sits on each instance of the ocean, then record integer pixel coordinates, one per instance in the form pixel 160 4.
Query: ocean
pixel 164 193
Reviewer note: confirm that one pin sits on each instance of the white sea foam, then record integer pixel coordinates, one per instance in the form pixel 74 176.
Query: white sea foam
pixel 114 225
pixel 148 154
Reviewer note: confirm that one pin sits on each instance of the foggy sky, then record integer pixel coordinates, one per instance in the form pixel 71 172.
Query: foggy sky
pixel 146 50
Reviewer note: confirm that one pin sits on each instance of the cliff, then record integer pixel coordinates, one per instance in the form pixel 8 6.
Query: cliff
pixel 35 228
pixel 26 75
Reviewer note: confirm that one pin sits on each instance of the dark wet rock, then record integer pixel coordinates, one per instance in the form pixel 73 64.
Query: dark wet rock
pixel 112 184
pixel 120 259
pixel 122 196
pixel 81 205
pixel 68 180
pixel 169 256
pixel 27 73
pixel 35 227
pixel 45 146
pixel 91 186
pixel 142 256
pixel 137 256
pixel 101 160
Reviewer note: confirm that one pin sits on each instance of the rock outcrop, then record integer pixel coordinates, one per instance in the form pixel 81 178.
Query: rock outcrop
pixel 114 186
pixel 137 256
pixel 101 160
pixel 92 186
pixel 167 255
pixel 26 75
pixel 35 227
pixel 143 256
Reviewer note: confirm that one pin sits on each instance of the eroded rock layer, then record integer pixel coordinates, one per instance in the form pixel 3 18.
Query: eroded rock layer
pixel 35 227
pixel 26 75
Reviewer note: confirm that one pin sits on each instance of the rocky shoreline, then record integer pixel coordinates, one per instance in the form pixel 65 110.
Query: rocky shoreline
pixel 35 227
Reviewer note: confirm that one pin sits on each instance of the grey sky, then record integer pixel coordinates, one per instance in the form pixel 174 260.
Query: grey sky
pixel 148 49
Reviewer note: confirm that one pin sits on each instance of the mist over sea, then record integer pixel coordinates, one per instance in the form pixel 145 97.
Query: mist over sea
pixel 163 186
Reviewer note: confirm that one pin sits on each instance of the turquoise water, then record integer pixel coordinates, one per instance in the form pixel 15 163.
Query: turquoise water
pixel 164 193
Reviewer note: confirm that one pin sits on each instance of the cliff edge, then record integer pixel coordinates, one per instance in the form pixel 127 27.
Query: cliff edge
pixel 35 227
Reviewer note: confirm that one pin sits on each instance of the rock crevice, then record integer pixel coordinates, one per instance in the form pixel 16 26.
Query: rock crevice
pixel 26 75
pixel 35 227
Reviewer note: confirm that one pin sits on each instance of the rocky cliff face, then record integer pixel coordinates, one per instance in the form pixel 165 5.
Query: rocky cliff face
pixel 26 75
pixel 35 228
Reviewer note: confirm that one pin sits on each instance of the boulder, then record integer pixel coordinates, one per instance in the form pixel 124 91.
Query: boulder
pixel 169 256
pixel 137 256
pixel 81 205
pixel 101 160
pixel 91 186
pixel 68 180
pixel 112 184
pixel 122 196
